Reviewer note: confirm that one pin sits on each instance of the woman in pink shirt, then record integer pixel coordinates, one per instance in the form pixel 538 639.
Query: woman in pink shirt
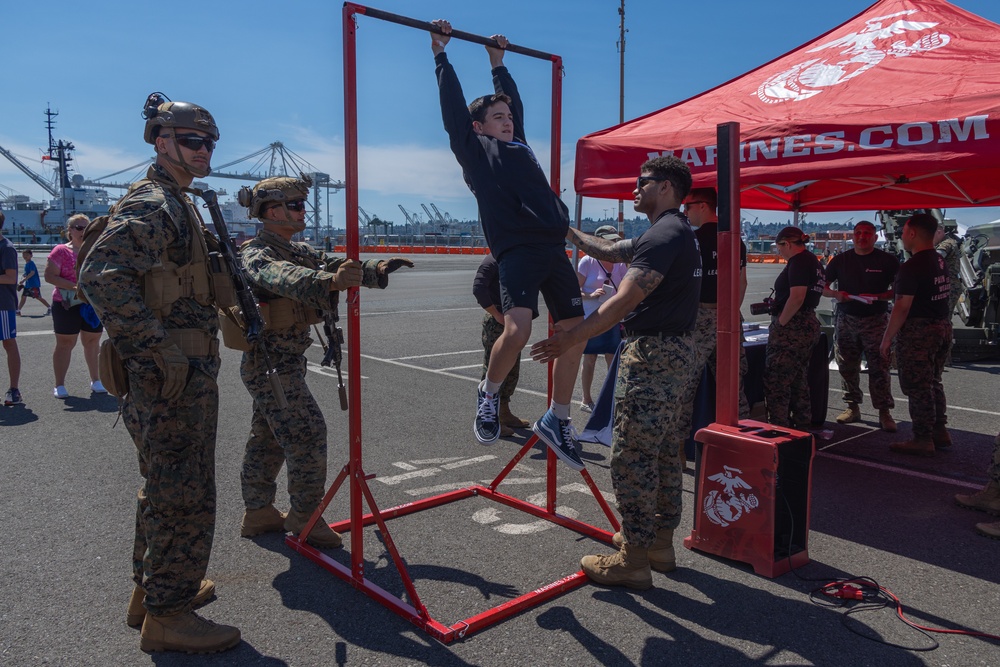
pixel 68 319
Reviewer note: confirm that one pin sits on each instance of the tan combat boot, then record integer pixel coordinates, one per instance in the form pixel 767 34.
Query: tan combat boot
pixel 989 529
pixel 850 415
pixel 137 610
pixel 322 536
pixel 917 447
pixel 628 567
pixel 263 520
pixel 985 500
pixel 187 632
pixel 509 419
pixel 661 554
pixel 941 437
pixel 885 421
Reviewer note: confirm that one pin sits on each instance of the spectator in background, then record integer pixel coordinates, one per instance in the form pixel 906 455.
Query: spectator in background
pixel 8 319
pixel 599 281
pixel 68 317
pixel 31 284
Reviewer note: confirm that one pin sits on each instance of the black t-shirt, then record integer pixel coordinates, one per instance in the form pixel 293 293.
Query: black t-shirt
pixel 670 248
pixel 925 277
pixel 802 270
pixel 862 274
pixel 708 241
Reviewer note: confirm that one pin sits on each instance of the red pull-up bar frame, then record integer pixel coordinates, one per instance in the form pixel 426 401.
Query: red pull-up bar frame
pixel 353 472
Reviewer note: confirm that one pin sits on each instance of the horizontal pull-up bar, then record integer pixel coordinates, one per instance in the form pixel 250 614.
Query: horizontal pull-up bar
pixel 455 34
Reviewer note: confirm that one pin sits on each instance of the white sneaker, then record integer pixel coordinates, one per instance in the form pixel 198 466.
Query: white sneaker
pixel 97 387
pixel 60 392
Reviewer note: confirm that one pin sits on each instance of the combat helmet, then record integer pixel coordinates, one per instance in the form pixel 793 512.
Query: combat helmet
pixel 161 112
pixel 274 190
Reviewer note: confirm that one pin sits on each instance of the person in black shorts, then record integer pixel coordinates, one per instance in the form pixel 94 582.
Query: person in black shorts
pixel 921 317
pixel 525 225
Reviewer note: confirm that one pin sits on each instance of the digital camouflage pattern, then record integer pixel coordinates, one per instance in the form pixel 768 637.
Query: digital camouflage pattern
pixel 653 375
pixel 296 435
pixel 707 339
pixel 922 347
pixel 175 440
pixel 786 385
pixel 491 332
pixel 855 335
pixel 950 250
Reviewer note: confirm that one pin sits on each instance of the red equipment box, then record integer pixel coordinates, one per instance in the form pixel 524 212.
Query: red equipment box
pixel 752 493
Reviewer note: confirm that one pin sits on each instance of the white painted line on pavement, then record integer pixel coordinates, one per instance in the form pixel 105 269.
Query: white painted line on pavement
pixel 468 462
pixel 434 462
pixel 900 471
pixel 404 466
pixel 442 488
pixel 396 479
pixel 426 310
pixel 445 373
pixel 438 354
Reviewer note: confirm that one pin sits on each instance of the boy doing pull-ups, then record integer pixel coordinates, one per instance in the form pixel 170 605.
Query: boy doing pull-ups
pixel 525 225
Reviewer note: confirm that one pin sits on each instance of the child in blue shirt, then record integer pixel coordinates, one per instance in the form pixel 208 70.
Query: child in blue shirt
pixel 31 284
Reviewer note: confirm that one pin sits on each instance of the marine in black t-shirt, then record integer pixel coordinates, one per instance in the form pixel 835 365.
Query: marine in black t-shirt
pixel 708 242
pixel 925 277
pixel 669 247
pixel 872 273
pixel 802 270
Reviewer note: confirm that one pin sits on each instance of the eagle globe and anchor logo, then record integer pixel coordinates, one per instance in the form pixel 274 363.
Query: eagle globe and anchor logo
pixel 861 50
pixel 726 505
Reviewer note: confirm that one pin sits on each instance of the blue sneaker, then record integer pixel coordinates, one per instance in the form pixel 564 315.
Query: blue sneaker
pixel 560 436
pixel 487 426
pixel 13 397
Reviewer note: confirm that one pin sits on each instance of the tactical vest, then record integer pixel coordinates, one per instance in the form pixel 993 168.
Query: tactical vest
pixel 278 313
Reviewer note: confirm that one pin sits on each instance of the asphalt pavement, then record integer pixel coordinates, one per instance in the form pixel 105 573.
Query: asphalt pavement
pixel 70 477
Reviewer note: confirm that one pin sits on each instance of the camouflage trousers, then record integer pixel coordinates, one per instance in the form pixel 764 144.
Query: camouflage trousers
pixel 707 339
pixel 954 296
pixel 922 348
pixel 786 382
pixel 175 513
pixel 295 435
pixel 854 336
pixel 653 376
pixel 491 332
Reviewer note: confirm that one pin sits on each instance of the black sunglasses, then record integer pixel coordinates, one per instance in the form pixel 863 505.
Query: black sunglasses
pixel 692 203
pixel 195 142
pixel 640 182
pixel 298 205
pixel 79 228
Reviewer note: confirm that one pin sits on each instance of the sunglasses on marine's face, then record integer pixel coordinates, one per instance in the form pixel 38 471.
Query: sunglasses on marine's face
pixel 194 142
pixel 298 205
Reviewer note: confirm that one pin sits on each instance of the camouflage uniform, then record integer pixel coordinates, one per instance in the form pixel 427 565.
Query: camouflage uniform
pixel 491 332
pixel 654 374
pixel 707 337
pixel 786 382
pixel 922 348
pixel 175 439
pixel 855 335
pixel 951 249
pixel 277 268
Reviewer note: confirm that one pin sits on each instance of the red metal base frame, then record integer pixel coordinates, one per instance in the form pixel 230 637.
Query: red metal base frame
pixel 416 613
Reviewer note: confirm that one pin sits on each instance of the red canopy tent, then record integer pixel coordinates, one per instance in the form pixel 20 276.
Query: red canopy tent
pixel 895 108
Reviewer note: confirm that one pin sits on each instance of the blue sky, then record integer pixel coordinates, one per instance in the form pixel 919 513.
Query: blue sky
pixel 272 72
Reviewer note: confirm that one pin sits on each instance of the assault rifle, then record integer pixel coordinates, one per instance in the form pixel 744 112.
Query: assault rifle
pixel 252 318
pixel 333 352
